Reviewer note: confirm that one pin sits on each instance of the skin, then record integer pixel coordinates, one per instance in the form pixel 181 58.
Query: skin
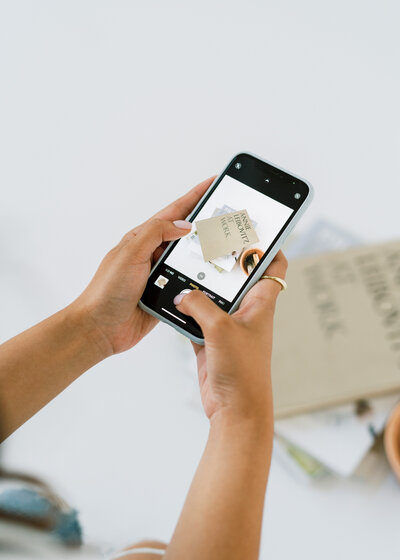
pixel 222 515
pixel 105 319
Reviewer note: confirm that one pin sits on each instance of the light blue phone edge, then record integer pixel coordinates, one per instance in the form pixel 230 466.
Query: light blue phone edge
pixel 274 249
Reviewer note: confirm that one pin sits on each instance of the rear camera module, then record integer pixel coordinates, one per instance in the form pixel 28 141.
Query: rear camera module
pixel 238 165
pixel 297 196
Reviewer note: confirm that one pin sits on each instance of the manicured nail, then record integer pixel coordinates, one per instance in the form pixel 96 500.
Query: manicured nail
pixel 178 298
pixel 183 224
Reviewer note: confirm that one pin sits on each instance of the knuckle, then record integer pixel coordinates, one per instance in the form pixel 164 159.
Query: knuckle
pixel 128 236
pixel 112 252
pixel 190 298
pixel 156 223
pixel 219 323
pixel 266 302
pixel 175 206
pixel 154 228
pixel 192 295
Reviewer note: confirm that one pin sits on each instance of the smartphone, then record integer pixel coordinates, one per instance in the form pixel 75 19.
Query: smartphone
pixel 274 200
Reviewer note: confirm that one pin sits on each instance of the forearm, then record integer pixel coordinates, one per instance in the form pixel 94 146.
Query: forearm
pixel 222 515
pixel 39 363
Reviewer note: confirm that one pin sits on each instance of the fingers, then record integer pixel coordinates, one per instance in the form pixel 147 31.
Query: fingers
pixel 151 235
pixel 278 266
pixel 159 251
pixel 199 306
pixel 261 299
pixel 177 210
pixel 196 347
pixel 181 208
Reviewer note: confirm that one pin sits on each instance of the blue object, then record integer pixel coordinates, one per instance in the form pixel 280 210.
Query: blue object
pixel 29 504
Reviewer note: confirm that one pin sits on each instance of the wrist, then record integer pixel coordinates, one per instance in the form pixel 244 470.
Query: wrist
pixel 83 324
pixel 252 408
pixel 257 425
pixel 243 441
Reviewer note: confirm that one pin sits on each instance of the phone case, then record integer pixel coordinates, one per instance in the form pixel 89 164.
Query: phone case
pixel 274 249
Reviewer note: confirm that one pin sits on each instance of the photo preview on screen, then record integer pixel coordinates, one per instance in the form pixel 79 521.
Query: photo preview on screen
pixel 229 236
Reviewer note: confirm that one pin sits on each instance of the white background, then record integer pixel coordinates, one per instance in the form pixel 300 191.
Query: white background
pixel 108 110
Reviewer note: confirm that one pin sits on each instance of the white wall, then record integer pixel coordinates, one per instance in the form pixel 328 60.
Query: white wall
pixel 108 110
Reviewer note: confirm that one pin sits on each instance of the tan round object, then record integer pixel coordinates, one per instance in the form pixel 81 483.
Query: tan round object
pixel 392 440
pixel 246 254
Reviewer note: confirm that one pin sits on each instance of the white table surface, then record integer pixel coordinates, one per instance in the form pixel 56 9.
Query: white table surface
pixel 109 110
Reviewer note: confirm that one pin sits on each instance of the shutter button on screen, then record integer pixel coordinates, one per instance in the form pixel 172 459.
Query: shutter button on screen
pixel 187 291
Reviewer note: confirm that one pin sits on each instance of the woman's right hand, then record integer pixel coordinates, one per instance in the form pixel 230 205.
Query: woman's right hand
pixel 234 363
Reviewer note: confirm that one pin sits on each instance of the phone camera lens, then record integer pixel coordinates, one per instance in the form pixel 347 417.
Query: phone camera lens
pixel 238 165
pixel 297 196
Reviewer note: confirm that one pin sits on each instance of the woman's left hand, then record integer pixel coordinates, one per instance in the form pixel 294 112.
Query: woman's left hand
pixel 110 302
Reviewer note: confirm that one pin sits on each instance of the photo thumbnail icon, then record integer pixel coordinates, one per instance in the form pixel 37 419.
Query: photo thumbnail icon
pixel 161 282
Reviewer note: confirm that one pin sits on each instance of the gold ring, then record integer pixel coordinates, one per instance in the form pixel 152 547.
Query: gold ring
pixel 279 280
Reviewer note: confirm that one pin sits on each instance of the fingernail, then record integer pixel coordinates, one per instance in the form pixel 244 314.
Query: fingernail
pixel 178 298
pixel 183 224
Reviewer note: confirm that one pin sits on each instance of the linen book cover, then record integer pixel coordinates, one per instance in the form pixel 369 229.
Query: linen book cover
pixel 337 329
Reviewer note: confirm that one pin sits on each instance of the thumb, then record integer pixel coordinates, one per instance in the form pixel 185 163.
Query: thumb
pixel 154 232
pixel 199 306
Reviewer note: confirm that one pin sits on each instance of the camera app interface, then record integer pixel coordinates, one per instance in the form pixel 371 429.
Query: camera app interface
pixel 225 273
pixel 229 237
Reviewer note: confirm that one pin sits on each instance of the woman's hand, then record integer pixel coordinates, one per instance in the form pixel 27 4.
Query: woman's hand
pixel 110 302
pixel 222 515
pixel 234 364
pixel 39 363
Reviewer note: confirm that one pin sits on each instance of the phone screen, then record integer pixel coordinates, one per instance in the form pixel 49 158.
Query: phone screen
pixel 270 198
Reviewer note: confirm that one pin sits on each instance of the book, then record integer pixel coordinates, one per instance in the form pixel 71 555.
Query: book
pixel 337 329
pixel 220 235
pixel 298 462
pixel 339 437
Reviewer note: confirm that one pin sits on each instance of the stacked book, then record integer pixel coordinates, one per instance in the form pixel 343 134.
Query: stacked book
pixel 336 358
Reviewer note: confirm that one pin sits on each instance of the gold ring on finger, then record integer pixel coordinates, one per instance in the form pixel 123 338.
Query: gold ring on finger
pixel 276 279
